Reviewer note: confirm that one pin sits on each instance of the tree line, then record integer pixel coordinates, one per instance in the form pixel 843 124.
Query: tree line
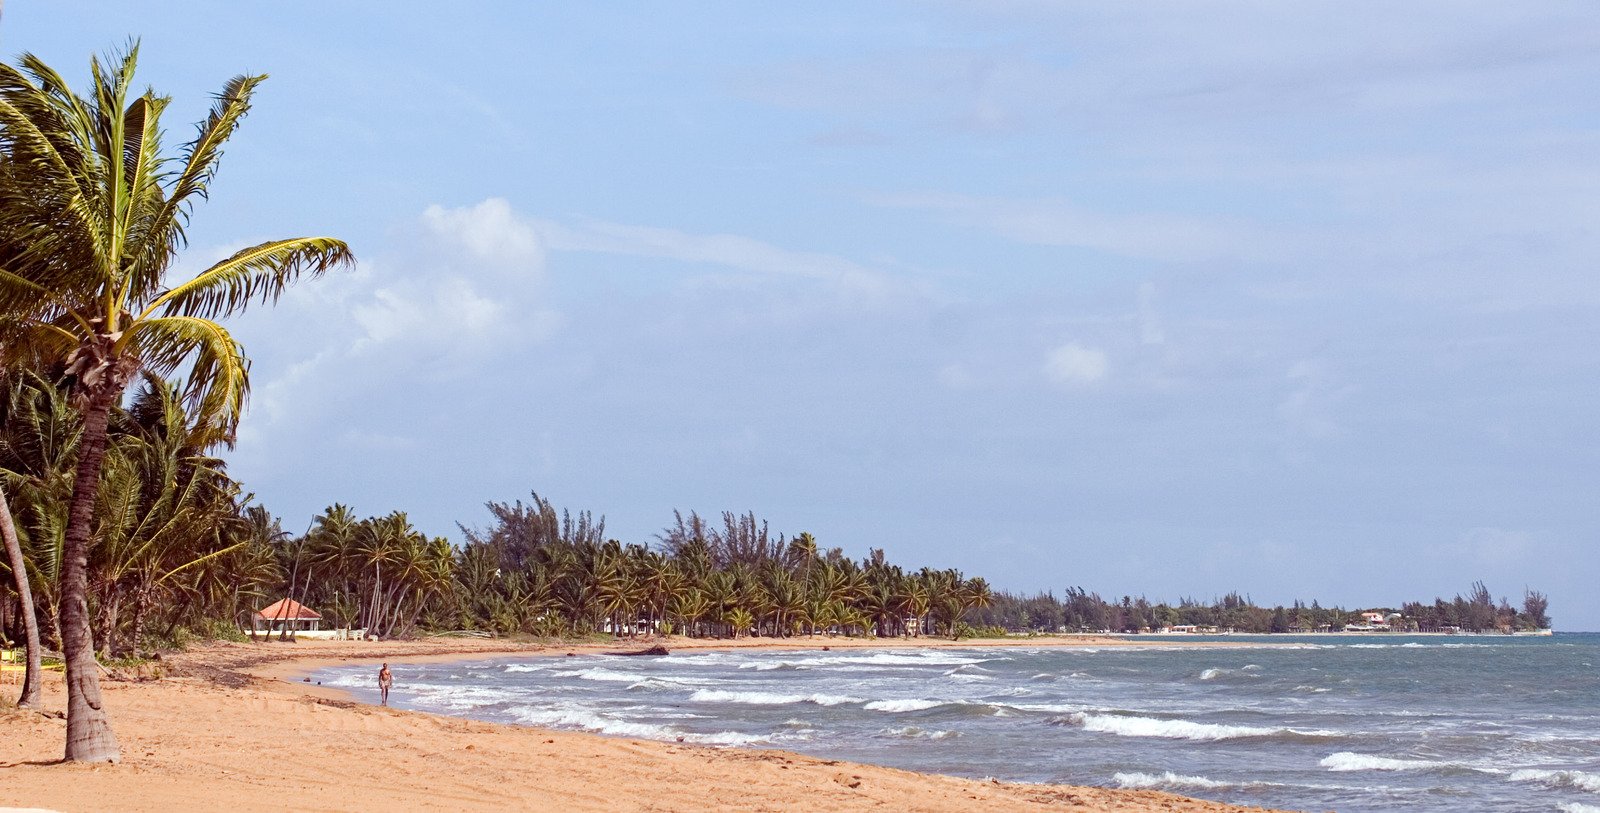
pixel 1080 611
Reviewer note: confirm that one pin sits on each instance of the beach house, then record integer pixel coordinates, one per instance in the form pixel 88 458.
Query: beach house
pixel 287 615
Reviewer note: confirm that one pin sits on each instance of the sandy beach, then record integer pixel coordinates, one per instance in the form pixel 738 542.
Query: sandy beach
pixel 233 726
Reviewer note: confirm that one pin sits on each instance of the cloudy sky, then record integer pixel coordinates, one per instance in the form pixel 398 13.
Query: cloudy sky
pixel 1298 300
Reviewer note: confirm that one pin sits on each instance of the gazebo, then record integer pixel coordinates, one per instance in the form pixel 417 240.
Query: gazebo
pixel 287 614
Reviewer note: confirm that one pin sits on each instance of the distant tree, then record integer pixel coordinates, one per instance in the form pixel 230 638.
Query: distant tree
pixel 1535 609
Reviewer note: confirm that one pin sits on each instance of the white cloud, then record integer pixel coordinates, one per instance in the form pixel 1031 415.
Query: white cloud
pixel 1072 364
pixel 462 294
pixel 490 231
pixel 450 310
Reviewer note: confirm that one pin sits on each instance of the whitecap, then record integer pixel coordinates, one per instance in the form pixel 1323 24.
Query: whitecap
pixel 1581 780
pixel 1350 761
pixel 590 721
pixel 768 698
pixel 1577 807
pixel 1128 726
pixel 914 733
pixel 600 674
pixel 896 706
pixel 1167 779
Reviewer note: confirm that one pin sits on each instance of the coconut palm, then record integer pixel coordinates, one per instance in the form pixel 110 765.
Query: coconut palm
pixel 92 213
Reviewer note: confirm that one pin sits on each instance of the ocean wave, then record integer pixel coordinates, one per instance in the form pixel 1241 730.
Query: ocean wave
pixel 896 706
pixel 892 659
pixel 590 721
pixel 1250 672
pixel 600 673
pixel 526 667
pixel 585 720
pixel 1050 708
pixel 462 698
pixel 1580 780
pixel 1166 779
pixel 914 733
pixel 1350 761
pixel 1577 807
pixel 1129 726
pixel 768 698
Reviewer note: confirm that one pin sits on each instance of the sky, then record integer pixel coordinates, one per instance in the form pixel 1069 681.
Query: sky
pixel 1167 298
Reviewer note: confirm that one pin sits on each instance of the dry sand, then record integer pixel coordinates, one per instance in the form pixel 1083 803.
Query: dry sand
pixel 231 726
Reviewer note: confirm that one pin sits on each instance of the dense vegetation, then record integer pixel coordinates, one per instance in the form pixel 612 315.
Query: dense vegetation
pixel 1082 611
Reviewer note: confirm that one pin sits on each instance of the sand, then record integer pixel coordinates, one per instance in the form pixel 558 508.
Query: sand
pixel 231 726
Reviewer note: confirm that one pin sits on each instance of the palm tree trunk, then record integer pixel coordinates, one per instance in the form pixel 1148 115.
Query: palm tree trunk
pixel 30 620
pixel 89 735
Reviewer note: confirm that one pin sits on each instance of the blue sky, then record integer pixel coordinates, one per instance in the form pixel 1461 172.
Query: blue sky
pixel 1169 298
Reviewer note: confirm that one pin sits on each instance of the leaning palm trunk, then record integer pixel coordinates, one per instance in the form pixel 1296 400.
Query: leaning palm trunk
pixel 30 620
pixel 89 735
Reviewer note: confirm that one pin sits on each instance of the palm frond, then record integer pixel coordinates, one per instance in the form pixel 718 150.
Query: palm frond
pixel 200 156
pixel 219 374
pixel 257 273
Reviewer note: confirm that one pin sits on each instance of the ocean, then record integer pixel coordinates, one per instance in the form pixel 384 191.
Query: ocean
pixel 1469 723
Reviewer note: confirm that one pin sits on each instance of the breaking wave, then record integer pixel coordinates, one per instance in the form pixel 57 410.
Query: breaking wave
pixel 1129 726
pixel 1579 780
pixel 1349 761
pixel 1167 779
pixel 895 706
pixel 768 698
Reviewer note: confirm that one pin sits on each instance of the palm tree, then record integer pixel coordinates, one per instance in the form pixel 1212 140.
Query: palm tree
pixel 30 619
pixel 92 213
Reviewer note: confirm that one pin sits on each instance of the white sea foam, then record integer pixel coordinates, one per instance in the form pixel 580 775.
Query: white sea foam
pixel 1167 779
pixel 768 698
pixel 1580 780
pixel 1577 807
pixel 600 673
pixel 526 667
pixel 891 659
pixel 914 733
pixel 728 738
pixel 1217 672
pixel 591 721
pixel 895 706
pixel 1126 726
pixel 1349 761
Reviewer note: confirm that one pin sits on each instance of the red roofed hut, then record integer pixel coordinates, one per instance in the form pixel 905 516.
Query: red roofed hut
pixel 287 614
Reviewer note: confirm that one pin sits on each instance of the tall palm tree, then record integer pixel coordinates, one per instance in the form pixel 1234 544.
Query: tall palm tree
pixel 92 213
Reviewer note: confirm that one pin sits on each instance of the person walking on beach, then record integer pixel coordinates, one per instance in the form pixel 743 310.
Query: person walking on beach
pixel 385 680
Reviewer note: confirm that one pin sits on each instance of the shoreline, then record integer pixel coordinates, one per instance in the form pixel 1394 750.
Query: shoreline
pixel 235 725
pixel 296 665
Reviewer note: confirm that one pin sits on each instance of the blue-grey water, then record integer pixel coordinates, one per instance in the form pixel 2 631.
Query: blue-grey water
pixel 1393 723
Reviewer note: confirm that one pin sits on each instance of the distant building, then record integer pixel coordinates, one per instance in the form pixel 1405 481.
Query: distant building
pixel 287 614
